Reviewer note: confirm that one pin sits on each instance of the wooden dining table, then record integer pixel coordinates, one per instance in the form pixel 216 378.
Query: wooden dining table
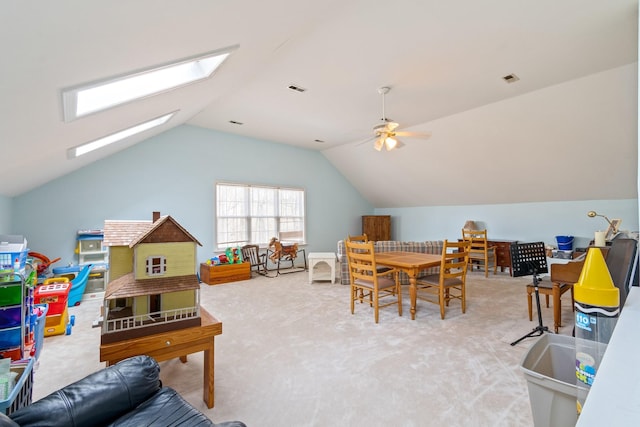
pixel 411 263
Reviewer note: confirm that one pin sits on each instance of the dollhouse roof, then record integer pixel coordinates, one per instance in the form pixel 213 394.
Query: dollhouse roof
pixel 128 286
pixel 122 232
pixel 164 229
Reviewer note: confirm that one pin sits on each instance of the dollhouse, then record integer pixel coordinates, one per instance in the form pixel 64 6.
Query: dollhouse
pixel 153 286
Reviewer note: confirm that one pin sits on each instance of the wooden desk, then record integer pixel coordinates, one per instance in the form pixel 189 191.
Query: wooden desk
pixel 503 253
pixel 411 263
pixel 172 344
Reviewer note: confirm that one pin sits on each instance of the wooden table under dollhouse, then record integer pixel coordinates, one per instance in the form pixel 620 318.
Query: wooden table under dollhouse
pixel 172 344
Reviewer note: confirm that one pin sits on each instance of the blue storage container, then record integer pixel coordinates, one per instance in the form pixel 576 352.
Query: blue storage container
pixel 10 317
pixel 21 394
pixel 565 243
pixel 11 337
pixel 41 320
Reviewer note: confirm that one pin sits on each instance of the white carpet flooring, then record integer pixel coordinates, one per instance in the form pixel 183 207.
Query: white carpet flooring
pixel 291 354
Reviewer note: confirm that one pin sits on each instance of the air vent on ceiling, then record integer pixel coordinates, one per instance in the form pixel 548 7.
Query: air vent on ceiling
pixel 233 122
pixel 296 88
pixel 511 78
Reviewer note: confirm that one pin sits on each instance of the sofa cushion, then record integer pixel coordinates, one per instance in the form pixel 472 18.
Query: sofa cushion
pixel 97 399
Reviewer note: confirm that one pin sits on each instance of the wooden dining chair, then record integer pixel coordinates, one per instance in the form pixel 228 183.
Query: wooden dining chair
pixel 450 282
pixel 480 252
pixel 369 285
pixel 360 238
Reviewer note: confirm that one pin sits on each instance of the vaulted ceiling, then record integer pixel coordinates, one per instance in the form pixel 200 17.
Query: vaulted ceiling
pixel 442 59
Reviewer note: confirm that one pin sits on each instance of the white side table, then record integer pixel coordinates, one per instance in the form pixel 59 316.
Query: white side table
pixel 328 258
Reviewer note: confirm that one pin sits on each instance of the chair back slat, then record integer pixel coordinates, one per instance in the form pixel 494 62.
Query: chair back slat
pixel 455 258
pixel 450 283
pixel 480 250
pixel 477 240
pixel 361 259
pixel 360 238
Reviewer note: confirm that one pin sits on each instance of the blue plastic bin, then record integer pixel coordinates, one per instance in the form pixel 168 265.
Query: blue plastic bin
pixel 20 396
pixel 41 320
pixel 565 243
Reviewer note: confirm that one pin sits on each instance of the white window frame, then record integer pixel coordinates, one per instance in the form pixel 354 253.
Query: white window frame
pixel 258 217
pixel 149 265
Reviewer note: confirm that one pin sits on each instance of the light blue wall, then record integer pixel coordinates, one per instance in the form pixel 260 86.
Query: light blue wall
pixel 526 222
pixel 175 173
pixel 5 214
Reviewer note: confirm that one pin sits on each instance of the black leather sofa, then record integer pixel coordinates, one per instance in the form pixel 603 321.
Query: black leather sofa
pixel 128 393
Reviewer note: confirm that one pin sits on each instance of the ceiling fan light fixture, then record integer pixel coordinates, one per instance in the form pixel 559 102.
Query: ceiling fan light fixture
pixel 379 144
pixel 390 142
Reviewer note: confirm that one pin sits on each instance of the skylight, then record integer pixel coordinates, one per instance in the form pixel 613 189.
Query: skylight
pixel 98 96
pixel 118 136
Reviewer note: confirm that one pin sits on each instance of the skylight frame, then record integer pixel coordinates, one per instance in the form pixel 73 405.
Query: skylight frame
pixel 118 136
pixel 76 102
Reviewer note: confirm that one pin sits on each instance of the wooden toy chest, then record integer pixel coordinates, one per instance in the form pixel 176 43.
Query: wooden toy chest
pixel 224 273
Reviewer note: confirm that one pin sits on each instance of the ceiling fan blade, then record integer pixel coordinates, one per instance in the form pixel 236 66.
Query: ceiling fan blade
pixel 391 126
pixel 423 135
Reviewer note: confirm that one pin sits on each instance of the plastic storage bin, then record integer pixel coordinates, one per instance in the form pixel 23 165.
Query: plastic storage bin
pixel 565 243
pixel 39 332
pixel 550 369
pixel 20 396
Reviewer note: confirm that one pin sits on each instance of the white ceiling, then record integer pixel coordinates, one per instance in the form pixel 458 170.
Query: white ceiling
pixel 440 58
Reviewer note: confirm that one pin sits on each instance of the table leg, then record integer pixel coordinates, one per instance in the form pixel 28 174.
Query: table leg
pixel 556 307
pixel 413 293
pixel 207 386
pixel 183 359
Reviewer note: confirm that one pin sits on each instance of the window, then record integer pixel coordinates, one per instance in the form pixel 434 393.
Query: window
pixel 98 96
pixel 156 266
pixel 118 136
pixel 254 214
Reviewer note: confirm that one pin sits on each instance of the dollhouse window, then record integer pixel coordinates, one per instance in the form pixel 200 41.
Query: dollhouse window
pixel 156 266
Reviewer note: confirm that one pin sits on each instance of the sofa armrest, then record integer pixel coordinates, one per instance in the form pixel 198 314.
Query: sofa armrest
pixel 5 421
pixel 97 399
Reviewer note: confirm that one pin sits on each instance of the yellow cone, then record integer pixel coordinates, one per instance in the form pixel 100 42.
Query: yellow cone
pixel 595 286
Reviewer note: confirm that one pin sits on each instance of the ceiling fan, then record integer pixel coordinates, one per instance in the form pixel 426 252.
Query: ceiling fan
pixel 385 131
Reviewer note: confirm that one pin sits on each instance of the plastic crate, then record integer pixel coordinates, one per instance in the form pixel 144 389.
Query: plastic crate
pixel 21 394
